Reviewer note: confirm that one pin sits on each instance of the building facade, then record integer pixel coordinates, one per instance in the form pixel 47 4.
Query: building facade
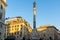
pixel 17 27
pixel 48 32
pixel 2 18
pixel 58 35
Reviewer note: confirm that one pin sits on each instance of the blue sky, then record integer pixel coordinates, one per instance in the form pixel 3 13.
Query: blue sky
pixel 48 11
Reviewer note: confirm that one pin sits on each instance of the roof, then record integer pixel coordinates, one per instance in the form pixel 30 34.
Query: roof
pixel 43 27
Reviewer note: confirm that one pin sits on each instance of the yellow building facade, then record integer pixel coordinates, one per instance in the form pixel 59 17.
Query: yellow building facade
pixel 15 25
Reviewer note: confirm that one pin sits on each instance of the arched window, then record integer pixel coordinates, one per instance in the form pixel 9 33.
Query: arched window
pixel 50 38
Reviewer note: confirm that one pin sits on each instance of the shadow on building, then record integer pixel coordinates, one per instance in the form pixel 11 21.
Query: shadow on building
pixel 10 38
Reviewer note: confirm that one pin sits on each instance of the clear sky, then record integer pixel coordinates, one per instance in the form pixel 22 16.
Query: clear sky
pixel 48 11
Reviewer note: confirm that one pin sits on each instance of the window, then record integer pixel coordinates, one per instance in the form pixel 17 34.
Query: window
pixel 1 7
pixel 17 25
pixel 0 16
pixel 11 33
pixel 50 38
pixel 44 35
pixel 15 33
pixel 41 39
pixel 12 29
pixel 21 25
pixel 21 28
pixel 0 33
pixel 1 25
pixel 18 33
pixel 17 36
pixel 23 38
pixel 26 24
pixel 17 29
pixel 12 26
